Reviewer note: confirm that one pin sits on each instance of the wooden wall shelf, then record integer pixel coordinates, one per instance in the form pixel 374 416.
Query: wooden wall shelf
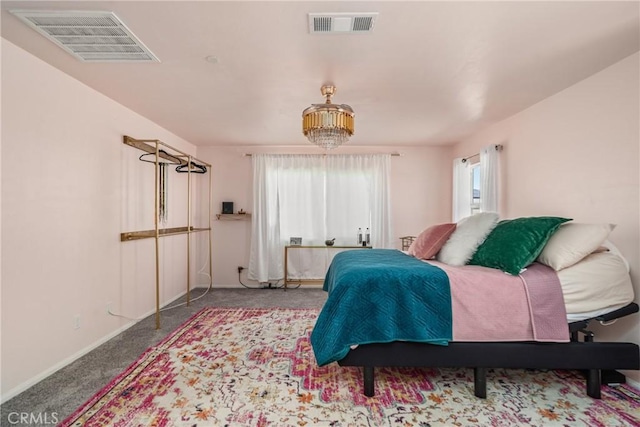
pixel 233 217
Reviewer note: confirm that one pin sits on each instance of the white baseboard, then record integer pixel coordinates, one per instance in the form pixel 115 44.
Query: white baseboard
pixel 44 374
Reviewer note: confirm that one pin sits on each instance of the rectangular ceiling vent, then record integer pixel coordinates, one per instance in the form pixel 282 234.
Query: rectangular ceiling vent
pixel 91 36
pixel 341 23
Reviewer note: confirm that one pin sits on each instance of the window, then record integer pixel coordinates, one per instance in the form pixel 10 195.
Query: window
pixel 316 198
pixel 475 188
pixel 322 203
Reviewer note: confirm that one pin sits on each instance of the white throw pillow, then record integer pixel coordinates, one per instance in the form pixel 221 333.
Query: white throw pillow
pixel 470 232
pixel 572 242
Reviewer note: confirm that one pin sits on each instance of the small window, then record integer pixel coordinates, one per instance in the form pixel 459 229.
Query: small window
pixel 475 188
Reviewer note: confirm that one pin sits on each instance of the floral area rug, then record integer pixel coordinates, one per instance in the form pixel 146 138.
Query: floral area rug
pixel 255 367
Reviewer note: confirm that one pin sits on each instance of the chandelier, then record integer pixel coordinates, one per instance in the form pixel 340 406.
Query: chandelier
pixel 328 125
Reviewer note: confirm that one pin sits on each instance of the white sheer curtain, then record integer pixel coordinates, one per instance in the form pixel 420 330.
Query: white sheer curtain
pixel 265 227
pixel 461 189
pixel 489 177
pixel 316 198
pixel 380 190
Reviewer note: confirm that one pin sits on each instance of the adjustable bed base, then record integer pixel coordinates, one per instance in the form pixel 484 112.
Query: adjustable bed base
pixel 575 355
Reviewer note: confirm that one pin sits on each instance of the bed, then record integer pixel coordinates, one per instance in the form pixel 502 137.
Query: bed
pixel 386 308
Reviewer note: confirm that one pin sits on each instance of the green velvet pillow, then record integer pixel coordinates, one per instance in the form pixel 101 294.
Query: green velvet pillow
pixel 516 243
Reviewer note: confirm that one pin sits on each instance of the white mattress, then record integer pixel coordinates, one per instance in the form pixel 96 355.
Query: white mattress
pixel 598 284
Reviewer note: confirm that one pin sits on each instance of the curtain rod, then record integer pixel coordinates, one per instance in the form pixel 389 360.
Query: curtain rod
pixel 498 147
pixel 391 154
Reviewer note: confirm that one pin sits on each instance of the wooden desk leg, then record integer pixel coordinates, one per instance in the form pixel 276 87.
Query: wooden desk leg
pixel 285 267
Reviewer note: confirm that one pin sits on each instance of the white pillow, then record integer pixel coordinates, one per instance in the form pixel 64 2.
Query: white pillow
pixel 470 232
pixel 572 242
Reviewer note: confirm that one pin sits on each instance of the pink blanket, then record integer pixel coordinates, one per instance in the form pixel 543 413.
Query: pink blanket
pixel 489 305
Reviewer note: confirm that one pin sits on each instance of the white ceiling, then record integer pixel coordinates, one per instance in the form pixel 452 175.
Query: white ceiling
pixel 429 74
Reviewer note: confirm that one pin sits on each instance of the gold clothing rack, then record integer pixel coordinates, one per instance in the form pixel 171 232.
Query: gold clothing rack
pixel 152 146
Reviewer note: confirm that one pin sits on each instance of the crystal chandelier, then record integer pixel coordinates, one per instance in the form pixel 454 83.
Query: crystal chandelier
pixel 328 125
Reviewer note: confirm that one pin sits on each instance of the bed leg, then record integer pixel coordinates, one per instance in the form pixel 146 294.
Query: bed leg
pixel 593 375
pixel 593 383
pixel 369 385
pixel 480 382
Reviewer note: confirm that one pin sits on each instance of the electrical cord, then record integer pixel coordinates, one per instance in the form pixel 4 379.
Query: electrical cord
pixel 137 319
pixel 240 280
pixel 201 271
pixel 125 317
pixel 278 286
pixel 289 287
pixel 271 285
pixel 192 299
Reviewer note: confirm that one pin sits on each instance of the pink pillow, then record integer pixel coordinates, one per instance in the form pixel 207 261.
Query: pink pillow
pixel 429 242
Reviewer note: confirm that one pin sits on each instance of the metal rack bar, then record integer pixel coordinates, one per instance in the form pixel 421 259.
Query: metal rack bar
pixel 162 232
pixel 143 144
pixel 156 209
pixel 189 234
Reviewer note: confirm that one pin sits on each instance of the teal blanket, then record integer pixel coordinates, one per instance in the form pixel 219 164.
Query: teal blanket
pixel 379 296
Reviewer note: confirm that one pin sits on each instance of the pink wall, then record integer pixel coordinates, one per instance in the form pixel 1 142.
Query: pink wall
pixel 420 195
pixel 69 188
pixel 576 154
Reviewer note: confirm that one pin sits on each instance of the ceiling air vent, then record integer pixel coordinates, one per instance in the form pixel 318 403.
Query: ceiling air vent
pixel 340 23
pixel 91 36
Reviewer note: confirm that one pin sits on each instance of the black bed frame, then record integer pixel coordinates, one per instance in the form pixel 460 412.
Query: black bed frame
pixel 593 357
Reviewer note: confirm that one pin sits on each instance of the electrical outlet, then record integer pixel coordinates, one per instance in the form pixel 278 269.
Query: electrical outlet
pixel 240 268
pixel 76 321
pixel 109 307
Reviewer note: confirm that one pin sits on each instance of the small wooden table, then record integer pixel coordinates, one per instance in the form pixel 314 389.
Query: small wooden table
pixel 301 281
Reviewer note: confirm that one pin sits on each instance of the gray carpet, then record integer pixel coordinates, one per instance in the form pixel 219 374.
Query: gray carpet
pixel 58 396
